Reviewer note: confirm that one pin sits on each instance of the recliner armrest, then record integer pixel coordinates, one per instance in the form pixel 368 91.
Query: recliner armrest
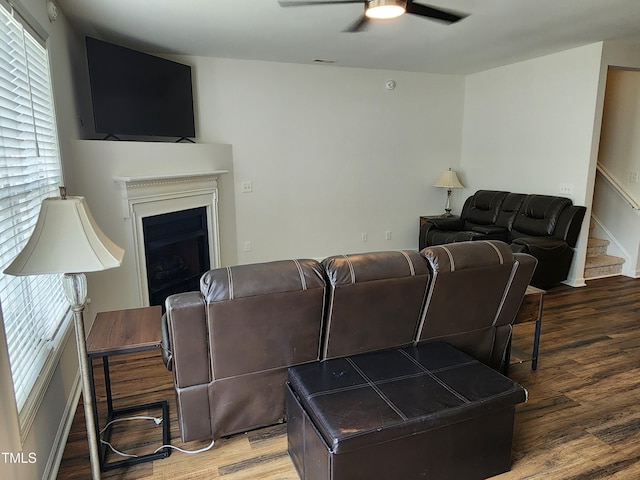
pixel 540 247
pixel 188 335
pixel 542 242
pixel 165 345
pixel 570 224
pixel 447 223
pixel 490 230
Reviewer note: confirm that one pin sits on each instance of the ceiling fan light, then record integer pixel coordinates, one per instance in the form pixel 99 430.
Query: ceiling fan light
pixel 385 8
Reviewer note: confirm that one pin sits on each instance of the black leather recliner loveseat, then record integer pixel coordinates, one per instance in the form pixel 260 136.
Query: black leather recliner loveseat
pixel 544 226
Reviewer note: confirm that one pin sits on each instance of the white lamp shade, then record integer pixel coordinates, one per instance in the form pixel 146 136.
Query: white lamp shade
pixel 66 239
pixel 449 179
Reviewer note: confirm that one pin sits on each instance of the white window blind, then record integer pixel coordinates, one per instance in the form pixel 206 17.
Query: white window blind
pixel 33 307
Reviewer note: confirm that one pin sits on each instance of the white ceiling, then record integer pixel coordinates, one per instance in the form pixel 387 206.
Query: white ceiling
pixel 497 32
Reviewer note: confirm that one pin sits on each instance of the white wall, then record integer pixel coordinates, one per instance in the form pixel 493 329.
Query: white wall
pixel 529 127
pixel 331 153
pixel 45 439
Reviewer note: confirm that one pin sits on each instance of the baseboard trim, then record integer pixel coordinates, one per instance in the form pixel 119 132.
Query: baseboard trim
pixel 53 463
pixel 576 282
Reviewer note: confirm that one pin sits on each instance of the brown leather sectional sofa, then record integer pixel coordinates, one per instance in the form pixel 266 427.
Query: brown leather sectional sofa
pixel 230 344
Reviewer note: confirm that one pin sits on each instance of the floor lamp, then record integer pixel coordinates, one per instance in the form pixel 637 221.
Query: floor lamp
pixel 67 240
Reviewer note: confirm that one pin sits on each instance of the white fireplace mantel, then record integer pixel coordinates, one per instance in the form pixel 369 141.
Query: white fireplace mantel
pixel 148 188
pixel 148 195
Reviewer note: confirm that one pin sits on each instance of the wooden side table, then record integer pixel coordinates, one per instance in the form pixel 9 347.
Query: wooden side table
pixel 531 311
pixel 116 333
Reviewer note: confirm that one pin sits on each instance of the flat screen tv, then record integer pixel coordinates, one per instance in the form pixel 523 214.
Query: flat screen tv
pixel 134 93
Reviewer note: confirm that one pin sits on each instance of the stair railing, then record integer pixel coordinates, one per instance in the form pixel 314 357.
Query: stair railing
pixel 617 187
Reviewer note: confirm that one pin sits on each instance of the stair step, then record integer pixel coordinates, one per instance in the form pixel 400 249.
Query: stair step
pixel 597 247
pixel 603 266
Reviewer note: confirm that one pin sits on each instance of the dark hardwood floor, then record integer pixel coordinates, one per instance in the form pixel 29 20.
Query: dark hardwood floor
pixel 582 419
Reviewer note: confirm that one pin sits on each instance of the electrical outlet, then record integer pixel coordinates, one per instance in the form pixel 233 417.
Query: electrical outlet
pixel 247 246
pixel 387 235
pixel 633 177
pixel 365 237
pixel 566 188
pixel 247 187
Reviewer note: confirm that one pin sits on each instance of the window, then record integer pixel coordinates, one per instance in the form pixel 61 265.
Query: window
pixel 33 308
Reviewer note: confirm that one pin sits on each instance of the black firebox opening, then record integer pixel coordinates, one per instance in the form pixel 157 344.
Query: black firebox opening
pixel 176 249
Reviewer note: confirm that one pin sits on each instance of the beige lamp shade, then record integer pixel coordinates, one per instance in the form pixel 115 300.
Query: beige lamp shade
pixel 66 239
pixel 449 180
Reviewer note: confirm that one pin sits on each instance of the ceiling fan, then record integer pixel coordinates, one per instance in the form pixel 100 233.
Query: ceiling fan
pixel 381 9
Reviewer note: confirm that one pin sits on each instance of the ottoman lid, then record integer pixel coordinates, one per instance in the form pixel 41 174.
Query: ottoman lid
pixel 377 397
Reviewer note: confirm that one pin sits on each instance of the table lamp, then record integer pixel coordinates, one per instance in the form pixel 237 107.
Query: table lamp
pixel 448 180
pixel 67 240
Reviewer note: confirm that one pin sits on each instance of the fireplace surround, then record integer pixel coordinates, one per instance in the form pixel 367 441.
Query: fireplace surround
pixel 148 203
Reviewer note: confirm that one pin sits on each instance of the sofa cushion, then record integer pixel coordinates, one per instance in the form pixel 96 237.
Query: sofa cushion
pixel 470 284
pixel 484 207
pixel 509 209
pixel 375 301
pixel 261 279
pixel 538 215
pixel 263 316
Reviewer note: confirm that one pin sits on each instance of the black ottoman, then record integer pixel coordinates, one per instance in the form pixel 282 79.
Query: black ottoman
pixel 428 412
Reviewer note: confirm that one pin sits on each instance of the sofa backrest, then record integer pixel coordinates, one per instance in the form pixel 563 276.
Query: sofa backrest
pixel 538 216
pixel 483 207
pixel 375 301
pixel 470 288
pixel 263 316
pixel 509 209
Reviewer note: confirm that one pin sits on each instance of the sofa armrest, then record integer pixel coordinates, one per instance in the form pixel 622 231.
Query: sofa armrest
pixel 187 339
pixel 570 224
pixel 447 223
pixel 165 345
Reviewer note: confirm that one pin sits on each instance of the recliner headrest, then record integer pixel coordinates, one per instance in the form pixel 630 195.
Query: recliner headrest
pixel 459 256
pixel 254 279
pixel 366 267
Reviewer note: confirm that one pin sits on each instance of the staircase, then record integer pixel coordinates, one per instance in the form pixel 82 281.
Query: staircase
pixel 598 263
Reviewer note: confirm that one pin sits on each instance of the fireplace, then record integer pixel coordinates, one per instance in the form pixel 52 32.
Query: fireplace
pixel 173 226
pixel 176 249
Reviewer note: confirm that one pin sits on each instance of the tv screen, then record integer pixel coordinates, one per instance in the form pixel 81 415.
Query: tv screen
pixel 134 93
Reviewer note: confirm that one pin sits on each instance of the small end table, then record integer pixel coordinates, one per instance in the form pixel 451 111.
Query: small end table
pixel 116 333
pixel 531 311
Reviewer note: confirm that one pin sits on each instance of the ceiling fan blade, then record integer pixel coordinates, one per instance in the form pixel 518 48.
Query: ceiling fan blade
pixel 358 25
pixel 446 16
pixel 317 2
